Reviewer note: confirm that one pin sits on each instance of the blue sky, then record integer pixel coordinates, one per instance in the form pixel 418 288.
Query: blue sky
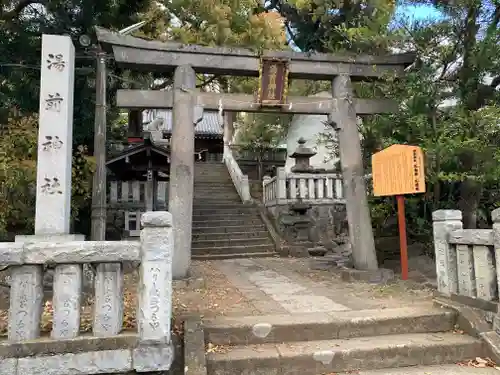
pixel 417 12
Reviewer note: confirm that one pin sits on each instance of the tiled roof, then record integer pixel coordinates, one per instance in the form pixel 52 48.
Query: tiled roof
pixel 209 125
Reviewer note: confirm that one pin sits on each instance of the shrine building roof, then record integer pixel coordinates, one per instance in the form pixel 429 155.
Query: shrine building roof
pixel 209 126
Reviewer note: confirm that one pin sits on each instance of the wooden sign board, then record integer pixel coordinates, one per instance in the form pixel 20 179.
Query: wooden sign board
pixel 398 170
pixel 273 82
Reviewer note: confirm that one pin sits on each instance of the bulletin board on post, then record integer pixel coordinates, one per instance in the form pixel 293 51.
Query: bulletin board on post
pixel 397 171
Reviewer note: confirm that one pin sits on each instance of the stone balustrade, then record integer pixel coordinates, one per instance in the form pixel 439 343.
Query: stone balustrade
pixel 467 260
pixel 132 194
pixel 312 188
pixel 239 179
pixel 107 349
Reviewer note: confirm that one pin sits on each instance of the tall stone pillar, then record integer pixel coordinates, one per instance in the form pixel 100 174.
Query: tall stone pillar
pixel 53 199
pixel 181 188
pixel 358 213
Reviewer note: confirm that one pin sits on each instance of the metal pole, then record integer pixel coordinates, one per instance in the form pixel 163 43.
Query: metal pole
pixel 98 229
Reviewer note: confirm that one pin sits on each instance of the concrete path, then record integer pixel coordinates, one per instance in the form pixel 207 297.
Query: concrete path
pixel 286 294
pixel 290 286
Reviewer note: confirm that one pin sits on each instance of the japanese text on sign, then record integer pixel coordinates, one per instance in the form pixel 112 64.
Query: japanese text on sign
pixel 398 170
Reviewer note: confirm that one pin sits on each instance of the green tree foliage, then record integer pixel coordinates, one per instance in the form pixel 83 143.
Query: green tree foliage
pixel 333 25
pixel 260 134
pixel 21 25
pixel 18 151
pixel 450 107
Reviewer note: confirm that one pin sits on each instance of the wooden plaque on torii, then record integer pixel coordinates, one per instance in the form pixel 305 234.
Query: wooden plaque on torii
pixel 273 82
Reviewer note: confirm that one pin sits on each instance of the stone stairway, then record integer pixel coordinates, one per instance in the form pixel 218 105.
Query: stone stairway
pixel 224 227
pixel 340 342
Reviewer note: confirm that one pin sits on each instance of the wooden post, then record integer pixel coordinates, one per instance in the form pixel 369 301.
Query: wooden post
pixel 181 187
pixel 403 245
pixel 358 213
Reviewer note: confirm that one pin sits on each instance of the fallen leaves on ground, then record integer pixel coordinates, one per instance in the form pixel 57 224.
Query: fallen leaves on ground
pixel 479 362
pixel 211 348
pixel 213 296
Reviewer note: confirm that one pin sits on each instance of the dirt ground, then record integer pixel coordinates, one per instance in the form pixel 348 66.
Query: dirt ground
pixel 209 292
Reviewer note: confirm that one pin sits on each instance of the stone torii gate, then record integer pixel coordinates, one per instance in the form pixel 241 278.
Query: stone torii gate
pixel 274 69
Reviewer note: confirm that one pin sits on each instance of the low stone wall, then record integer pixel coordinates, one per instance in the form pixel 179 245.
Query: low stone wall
pixel 323 225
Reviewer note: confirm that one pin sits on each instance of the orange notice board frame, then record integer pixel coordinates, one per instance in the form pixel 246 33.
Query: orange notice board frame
pixel 396 171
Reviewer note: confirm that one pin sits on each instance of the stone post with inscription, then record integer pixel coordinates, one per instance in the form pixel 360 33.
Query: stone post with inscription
pixel 495 217
pixel 155 293
pixel 181 184
pixel 445 221
pixel 53 200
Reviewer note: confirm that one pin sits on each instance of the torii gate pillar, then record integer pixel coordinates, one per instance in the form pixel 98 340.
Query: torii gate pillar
pixel 181 188
pixel 358 215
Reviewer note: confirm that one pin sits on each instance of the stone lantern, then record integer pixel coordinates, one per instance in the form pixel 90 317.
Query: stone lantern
pixel 302 155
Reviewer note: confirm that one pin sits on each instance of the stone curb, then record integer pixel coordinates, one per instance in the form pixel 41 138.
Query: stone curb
pixel 275 236
pixel 326 326
pixel 379 276
pixel 474 322
pixel 194 347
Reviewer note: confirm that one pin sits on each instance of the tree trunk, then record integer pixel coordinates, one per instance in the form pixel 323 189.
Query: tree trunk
pixel 470 193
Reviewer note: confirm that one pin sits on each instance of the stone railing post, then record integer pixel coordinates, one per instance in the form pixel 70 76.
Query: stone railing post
pixel 281 195
pixel 155 292
pixel 445 221
pixel 265 181
pixel 495 217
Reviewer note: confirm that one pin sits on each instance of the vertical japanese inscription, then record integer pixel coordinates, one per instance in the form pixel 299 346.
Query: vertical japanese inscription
pixel 107 302
pixel 53 102
pixel 67 291
pixel 154 298
pixel 25 304
pixel 52 142
pixel 51 186
pixel 273 82
pixel 22 313
pixel 56 62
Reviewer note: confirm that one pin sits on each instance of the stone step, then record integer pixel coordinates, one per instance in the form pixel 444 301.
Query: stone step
pixel 212 189
pixel 246 330
pixel 229 229
pixel 234 235
pixel 342 355
pixel 431 370
pixel 241 210
pixel 215 184
pixel 215 204
pixel 216 222
pixel 234 256
pixel 229 242
pixel 211 167
pixel 233 249
pixel 229 216
pixel 215 193
pixel 212 180
pixel 220 197
pixel 200 181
